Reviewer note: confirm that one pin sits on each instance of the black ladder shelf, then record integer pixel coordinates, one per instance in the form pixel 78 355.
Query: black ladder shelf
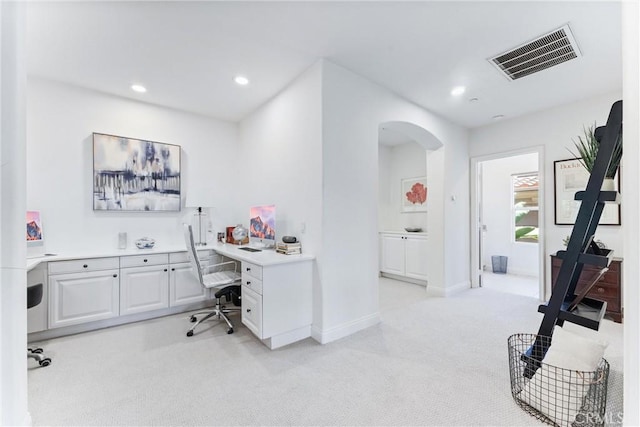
pixel 563 304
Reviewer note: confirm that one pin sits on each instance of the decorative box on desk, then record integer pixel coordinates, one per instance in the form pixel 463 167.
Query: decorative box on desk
pixel 608 288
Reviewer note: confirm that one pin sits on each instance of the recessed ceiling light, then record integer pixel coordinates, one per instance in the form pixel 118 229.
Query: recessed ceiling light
pixel 473 100
pixel 458 90
pixel 241 80
pixel 498 116
pixel 139 88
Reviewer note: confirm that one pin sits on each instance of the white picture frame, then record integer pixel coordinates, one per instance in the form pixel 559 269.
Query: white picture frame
pixel 413 194
pixel 570 176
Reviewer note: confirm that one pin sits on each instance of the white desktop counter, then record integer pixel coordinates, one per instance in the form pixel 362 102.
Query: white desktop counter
pixel 121 286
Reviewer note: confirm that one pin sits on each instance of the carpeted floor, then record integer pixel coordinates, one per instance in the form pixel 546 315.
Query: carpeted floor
pixel 431 361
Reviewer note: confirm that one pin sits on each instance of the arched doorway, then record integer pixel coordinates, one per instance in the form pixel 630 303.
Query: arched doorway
pixel 408 153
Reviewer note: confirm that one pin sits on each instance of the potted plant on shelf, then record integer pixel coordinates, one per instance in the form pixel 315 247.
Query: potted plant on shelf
pixel 588 150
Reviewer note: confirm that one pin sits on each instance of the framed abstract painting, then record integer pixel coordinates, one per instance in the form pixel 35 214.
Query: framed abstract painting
pixel 414 194
pixel 135 175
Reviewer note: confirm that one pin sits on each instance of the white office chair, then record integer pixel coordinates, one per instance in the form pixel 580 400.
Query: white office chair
pixel 217 276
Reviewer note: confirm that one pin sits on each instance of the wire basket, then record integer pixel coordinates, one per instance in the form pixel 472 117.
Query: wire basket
pixel 556 396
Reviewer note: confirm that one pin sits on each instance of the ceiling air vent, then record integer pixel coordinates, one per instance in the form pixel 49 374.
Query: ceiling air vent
pixel 544 52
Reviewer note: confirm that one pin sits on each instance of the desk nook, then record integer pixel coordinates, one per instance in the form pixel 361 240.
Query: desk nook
pixel 88 292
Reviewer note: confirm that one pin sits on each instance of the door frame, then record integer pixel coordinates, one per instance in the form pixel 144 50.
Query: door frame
pixel 475 226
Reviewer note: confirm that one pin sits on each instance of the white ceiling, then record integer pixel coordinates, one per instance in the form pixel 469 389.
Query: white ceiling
pixel 187 53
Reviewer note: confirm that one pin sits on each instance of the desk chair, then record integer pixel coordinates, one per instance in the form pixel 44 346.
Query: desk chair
pixel 216 276
pixel 34 297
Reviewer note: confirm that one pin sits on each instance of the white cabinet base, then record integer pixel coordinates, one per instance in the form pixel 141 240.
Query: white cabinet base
pixel 287 338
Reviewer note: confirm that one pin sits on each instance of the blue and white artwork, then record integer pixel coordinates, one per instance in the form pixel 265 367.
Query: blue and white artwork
pixel 135 175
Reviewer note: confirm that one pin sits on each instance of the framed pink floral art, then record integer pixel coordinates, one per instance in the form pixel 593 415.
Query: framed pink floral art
pixel 414 195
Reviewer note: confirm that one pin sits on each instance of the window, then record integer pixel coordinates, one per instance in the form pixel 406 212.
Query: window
pixel 525 207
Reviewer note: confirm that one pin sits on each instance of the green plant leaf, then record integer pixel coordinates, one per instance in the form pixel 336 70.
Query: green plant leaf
pixel 587 150
pixel 587 147
pixel 523 231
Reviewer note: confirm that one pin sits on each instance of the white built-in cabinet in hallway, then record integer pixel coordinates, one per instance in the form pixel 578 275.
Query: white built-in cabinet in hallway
pixel 404 255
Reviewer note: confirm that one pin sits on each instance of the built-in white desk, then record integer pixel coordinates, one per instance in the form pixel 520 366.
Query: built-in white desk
pixel 96 289
pixel 276 293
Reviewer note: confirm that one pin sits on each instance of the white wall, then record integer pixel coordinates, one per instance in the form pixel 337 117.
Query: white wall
pixel 281 163
pixel 497 214
pixel 631 209
pixel 353 107
pixel 395 163
pixel 554 129
pixel 13 276
pixel 61 120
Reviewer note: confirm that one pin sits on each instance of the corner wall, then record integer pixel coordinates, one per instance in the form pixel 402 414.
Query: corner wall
pixel 61 120
pixel 353 107
pixel 13 276
pixel 280 162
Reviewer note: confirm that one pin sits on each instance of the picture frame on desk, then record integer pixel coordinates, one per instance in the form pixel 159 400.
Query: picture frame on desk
pixel 230 239
pixel 569 177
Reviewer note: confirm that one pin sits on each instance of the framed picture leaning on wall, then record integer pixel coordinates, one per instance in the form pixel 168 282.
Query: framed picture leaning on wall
pixel 569 177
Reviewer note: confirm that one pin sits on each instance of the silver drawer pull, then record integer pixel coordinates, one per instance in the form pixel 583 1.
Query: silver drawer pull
pixel 248 310
pixel 145 260
pixel 85 266
pixel 248 282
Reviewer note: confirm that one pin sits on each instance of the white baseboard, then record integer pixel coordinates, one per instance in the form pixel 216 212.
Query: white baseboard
pixel 449 290
pixel 404 279
pixel 346 329
pixel 517 272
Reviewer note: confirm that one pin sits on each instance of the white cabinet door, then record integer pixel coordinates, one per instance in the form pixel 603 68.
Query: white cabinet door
pixel 144 289
pixel 416 257
pixel 392 254
pixel 83 297
pixel 252 311
pixel 184 288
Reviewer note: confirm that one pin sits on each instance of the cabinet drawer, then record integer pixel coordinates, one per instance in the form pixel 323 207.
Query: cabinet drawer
pixel 252 311
pixel 252 283
pixel 80 265
pixel 613 304
pixel 252 270
pixel 143 260
pixel 178 257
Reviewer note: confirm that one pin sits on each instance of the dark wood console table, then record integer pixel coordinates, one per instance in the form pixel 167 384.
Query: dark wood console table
pixel 608 288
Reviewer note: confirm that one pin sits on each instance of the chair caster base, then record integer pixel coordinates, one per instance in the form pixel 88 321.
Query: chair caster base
pixel 45 362
pixel 230 331
pixel 190 333
pixel 193 319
